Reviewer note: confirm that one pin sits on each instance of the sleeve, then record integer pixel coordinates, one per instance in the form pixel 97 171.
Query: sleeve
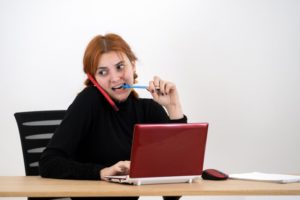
pixel 155 113
pixel 57 161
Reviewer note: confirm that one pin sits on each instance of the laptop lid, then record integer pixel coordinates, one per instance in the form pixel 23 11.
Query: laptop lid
pixel 160 150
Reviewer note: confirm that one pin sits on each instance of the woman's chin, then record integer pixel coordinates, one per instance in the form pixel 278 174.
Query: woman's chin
pixel 120 98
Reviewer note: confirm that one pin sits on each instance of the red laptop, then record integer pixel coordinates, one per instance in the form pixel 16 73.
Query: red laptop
pixel 166 153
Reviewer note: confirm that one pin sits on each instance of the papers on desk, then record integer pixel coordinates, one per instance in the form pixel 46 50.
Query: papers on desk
pixel 257 176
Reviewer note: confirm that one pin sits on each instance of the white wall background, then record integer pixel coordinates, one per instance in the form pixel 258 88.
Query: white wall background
pixel 236 64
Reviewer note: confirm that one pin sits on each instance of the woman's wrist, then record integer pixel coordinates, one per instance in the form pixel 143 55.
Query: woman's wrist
pixel 175 111
pixel 102 173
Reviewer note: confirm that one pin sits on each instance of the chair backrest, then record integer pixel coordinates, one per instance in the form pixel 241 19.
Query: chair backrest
pixel 36 129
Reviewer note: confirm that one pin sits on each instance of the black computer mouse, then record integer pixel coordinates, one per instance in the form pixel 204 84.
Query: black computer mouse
pixel 214 174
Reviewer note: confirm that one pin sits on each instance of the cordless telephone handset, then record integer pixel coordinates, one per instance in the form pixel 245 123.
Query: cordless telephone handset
pixel 110 101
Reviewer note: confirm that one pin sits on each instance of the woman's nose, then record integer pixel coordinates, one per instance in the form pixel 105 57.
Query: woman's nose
pixel 115 76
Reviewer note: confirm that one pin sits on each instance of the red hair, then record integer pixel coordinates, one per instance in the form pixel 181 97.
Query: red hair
pixel 103 44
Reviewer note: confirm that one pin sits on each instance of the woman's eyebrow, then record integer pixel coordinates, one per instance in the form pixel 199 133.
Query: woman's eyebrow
pixel 117 64
pixel 101 67
pixel 121 62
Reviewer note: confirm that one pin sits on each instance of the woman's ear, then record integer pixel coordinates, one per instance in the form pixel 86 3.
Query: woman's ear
pixel 133 65
pixel 134 73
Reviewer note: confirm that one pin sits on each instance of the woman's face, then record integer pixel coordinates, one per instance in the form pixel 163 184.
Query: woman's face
pixel 114 69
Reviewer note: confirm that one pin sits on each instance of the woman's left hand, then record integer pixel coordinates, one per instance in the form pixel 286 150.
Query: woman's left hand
pixel 120 168
pixel 165 93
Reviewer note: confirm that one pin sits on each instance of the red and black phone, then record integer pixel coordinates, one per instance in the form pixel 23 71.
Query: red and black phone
pixel 107 97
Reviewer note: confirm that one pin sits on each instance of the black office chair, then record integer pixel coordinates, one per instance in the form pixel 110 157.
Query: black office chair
pixel 36 128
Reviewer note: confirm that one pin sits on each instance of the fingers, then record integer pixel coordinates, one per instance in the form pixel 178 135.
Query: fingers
pixel 120 168
pixel 156 82
pixel 154 85
pixel 160 87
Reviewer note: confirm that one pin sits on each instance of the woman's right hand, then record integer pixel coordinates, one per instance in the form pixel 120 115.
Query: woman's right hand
pixel 165 93
pixel 120 168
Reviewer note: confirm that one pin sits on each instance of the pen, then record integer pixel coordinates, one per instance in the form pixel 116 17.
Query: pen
pixel 127 86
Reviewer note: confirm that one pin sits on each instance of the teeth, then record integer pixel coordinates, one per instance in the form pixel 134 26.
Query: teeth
pixel 118 87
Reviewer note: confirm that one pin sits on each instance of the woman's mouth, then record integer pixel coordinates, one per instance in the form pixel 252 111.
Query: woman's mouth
pixel 117 87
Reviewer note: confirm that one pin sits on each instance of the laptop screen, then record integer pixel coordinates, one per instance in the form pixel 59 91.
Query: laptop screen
pixel 168 150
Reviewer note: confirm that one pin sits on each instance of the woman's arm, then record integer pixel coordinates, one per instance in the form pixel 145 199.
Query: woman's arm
pixel 58 160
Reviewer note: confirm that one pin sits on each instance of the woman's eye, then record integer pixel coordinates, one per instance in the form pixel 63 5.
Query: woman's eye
pixel 102 72
pixel 120 66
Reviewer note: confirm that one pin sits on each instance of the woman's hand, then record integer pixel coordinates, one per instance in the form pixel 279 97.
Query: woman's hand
pixel 120 168
pixel 165 93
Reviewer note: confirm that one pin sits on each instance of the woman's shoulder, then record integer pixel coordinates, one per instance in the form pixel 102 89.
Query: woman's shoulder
pixel 88 95
pixel 89 91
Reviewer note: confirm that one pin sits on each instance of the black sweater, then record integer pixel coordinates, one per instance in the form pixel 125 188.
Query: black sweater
pixel 93 136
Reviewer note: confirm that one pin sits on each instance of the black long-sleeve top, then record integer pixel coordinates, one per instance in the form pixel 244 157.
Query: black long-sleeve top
pixel 93 135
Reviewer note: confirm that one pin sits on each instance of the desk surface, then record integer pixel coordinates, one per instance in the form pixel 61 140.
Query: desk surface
pixel 35 186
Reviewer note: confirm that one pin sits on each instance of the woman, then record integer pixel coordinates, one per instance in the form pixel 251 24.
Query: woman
pixel 94 140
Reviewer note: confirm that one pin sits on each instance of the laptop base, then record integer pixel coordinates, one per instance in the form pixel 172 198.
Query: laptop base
pixel 152 180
